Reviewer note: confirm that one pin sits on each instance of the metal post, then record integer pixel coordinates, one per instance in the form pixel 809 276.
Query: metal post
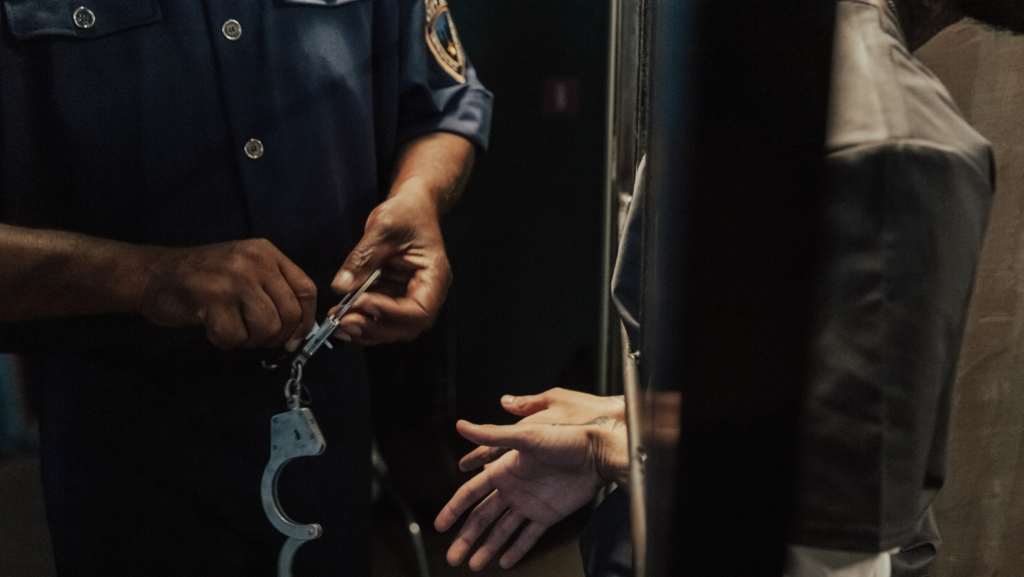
pixel 739 94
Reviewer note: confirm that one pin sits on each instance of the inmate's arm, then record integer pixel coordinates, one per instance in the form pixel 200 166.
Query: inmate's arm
pixel 403 236
pixel 245 293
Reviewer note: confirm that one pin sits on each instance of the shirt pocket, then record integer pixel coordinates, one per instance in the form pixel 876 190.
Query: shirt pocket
pixel 27 19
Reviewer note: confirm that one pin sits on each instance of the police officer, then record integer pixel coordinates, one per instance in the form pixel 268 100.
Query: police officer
pixel 186 185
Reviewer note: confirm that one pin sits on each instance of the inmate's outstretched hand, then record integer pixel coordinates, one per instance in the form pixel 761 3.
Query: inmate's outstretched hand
pixel 550 471
pixel 553 406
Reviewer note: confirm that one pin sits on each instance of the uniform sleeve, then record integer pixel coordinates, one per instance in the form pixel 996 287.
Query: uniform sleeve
pixel 431 98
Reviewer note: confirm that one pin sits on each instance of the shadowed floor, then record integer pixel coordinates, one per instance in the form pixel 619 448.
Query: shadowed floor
pixel 25 542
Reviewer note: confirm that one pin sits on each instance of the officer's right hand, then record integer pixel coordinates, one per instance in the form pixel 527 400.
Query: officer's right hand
pixel 246 293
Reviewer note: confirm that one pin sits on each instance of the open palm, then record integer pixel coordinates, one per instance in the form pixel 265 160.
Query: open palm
pixel 550 471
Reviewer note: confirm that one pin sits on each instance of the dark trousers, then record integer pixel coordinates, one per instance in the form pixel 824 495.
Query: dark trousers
pixel 154 468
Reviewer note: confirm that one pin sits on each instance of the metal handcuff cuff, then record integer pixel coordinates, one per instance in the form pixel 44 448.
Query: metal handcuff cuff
pixel 295 433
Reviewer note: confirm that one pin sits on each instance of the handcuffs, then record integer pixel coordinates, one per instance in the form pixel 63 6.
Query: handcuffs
pixel 295 433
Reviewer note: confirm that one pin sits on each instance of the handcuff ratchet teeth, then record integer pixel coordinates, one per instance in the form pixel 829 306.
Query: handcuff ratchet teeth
pixel 295 433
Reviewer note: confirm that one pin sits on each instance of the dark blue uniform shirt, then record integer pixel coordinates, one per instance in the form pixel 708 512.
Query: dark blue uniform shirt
pixel 137 120
pixel 135 128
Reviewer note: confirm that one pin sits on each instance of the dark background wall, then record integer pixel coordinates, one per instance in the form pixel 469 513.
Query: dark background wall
pixel 525 241
pixel 981 508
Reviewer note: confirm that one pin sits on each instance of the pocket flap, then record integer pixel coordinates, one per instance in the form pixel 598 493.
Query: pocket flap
pixel 78 18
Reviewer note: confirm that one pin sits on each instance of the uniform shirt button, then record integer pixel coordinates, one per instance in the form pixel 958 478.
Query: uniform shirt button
pixel 254 148
pixel 232 30
pixel 84 18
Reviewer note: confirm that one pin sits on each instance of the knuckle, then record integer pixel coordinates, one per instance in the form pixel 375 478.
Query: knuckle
pixel 305 289
pixel 258 246
pixel 272 330
pixel 386 226
pixel 254 250
pixel 360 256
pixel 226 339
pixel 237 263
pixel 221 290
pixel 384 221
pixel 289 317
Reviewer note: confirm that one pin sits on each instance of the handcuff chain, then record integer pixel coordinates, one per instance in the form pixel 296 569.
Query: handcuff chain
pixel 295 393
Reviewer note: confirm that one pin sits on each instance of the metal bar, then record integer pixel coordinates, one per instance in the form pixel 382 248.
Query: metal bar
pixel 605 343
pixel 637 457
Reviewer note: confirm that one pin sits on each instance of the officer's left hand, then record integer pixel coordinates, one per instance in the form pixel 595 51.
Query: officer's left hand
pixel 403 237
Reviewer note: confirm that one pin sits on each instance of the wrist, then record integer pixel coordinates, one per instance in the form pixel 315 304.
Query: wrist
pixel 617 408
pixel 123 273
pixel 438 163
pixel 610 447
pixel 416 192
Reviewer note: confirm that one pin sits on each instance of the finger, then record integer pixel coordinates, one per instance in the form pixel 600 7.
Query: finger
pixel 394 278
pixel 519 436
pixel 527 539
pixel 224 327
pixel 405 291
pixel 352 325
pixel 490 509
pixel 391 319
pixel 472 491
pixel 288 309
pixel 429 285
pixel 261 319
pixel 479 457
pixel 303 290
pixel 503 529
pixel 373 250
pixel 526 405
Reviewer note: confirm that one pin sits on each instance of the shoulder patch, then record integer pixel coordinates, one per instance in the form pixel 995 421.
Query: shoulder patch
pixel 443 39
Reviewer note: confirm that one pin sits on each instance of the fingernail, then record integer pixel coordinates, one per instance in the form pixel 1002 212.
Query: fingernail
pixel 507 400
pixel 292 345
pixel 345 279
pixel 343 336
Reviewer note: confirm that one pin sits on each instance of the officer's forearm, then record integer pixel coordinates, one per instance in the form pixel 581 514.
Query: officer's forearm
pixel 49 274
pixel 436 164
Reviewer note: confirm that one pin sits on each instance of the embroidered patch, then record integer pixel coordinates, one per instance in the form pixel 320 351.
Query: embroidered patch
pixel 443 40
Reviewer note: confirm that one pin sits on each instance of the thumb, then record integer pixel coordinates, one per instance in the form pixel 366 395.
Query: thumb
pixel 508 436
pixel 369 255
pixel 525 405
